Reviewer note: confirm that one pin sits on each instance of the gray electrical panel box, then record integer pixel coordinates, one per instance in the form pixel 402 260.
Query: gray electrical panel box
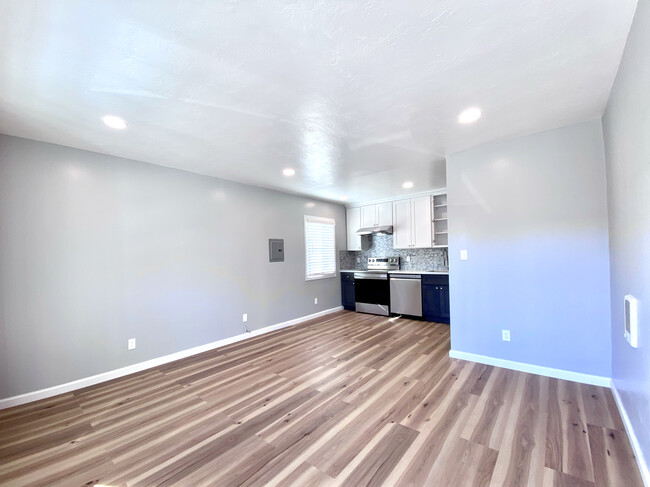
pixel 276 250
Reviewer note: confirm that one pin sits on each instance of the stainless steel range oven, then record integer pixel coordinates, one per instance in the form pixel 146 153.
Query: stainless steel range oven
pixel 372 288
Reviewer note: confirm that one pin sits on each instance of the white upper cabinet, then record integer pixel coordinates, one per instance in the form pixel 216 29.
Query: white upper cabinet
pixel 384 214
pixel 415 221
pixel 421 215
pixel 412 223
pixel 353 224
pixel 402 224
pixel 368 216
pixel 377 215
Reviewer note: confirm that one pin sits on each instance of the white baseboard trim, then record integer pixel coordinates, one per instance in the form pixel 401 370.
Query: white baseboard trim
pixel 595 380
pixel 638 453
pixel 130 369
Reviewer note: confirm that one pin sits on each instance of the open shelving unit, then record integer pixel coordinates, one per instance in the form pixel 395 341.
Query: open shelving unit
pixel 440 226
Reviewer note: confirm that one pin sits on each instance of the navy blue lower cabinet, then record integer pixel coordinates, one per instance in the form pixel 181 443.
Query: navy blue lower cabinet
pixel 435 298
pixel 347 291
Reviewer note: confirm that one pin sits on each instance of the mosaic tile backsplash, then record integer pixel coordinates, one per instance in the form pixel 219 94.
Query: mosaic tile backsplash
pixel 382 246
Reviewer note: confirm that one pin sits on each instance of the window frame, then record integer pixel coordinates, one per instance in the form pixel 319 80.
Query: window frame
pixel 318 219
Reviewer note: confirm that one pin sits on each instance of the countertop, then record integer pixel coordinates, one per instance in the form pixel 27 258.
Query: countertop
pixel 441 273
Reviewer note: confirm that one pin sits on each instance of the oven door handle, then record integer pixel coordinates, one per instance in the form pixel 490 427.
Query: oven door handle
pixel 373 277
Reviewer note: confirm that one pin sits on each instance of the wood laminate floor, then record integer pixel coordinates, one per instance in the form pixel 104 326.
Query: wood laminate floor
pixel 349 399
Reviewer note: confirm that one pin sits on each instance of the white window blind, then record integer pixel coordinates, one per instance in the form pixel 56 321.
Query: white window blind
pixel 320 247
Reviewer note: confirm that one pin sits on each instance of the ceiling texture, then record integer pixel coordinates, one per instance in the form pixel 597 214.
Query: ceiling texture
pixel 356 96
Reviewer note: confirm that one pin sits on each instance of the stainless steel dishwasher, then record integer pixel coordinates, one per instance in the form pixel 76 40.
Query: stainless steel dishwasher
pixel 406 294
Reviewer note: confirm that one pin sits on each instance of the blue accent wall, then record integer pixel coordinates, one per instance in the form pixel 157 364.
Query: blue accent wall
pixel 532 214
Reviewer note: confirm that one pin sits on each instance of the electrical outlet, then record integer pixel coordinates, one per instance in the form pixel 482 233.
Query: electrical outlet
pixel 408 258
pixel 505 335
pixel 463 255
pixel 358 260
pixel 244 317
pixel 131 345
pixel 315 300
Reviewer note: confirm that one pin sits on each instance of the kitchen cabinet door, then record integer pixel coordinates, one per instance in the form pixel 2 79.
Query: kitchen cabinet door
pixel 421 218
pixel 430 303
pixel 385 214
pixel 368 216
pixel 347 291
pixel 444 304
pixel 435 303
pixel 402 224
pixel 353 224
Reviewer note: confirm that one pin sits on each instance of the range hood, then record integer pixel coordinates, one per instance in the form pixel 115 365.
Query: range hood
pixel 378 230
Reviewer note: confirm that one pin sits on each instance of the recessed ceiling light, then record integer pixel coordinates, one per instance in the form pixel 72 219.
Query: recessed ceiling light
pixel 470 115
pixel 407 185
pixel 114 122
pixel 288 171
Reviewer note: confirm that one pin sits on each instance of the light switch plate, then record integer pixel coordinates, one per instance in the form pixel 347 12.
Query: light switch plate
pixel 463 255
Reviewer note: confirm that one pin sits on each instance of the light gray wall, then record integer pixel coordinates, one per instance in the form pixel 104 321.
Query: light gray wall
pixel 532 214
pixel 95 250
pixel 626 126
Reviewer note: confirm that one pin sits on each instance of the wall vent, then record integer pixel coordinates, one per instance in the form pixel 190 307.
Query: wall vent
pixel 631 320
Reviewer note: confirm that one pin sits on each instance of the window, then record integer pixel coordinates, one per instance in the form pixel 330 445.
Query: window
pixel 320 247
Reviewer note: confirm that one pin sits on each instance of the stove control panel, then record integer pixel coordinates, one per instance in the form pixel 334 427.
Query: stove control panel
pixel 383 263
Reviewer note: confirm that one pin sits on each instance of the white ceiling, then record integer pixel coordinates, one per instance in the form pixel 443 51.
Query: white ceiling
pixel 357 96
